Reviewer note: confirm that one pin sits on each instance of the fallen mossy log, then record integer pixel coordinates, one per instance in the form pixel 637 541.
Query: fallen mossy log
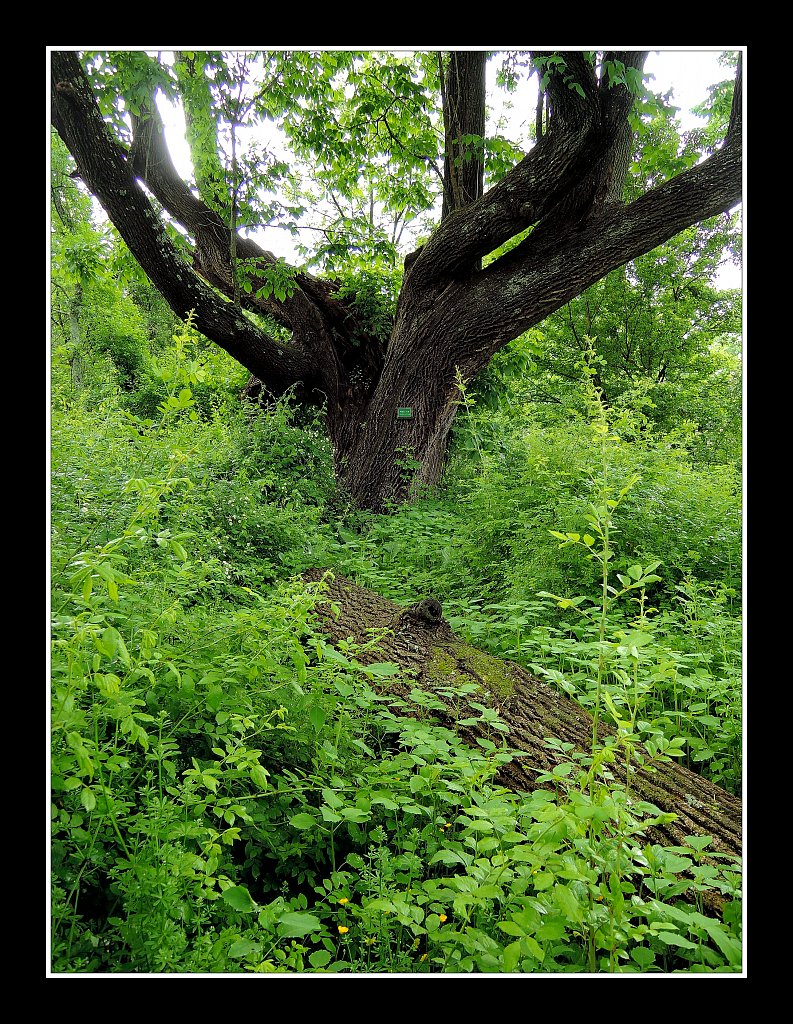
pixel 433 658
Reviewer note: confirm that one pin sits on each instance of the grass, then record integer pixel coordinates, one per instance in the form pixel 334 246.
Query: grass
pixel 230 793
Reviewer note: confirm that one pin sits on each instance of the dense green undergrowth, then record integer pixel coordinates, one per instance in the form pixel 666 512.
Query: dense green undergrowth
pixel 232 794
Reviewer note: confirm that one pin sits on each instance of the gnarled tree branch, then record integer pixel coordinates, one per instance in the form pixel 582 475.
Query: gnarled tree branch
pixel 103 166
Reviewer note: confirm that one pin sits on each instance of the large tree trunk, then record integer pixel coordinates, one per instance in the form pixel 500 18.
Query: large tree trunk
pixel 390 457
pixel 434 659
pixel 453 313
pixel 463 99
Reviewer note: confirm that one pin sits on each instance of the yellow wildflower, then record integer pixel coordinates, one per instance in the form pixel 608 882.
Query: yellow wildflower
pixel 343 900
pixel 442 918
pixel 343 929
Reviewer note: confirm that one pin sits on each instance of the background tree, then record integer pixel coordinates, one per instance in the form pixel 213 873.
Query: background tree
pixel 663 335
pixel 105 313
pixel 565 197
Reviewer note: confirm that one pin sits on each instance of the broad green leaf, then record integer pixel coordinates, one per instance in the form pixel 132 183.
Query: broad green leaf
pixel 303 821
pixel 728 944
pixel 511 956
pixel 178 550
pixel 239 899
pixel 673 939
pixel 382 669
pixel 643 956
pixel 510 928
pixel 524 852
pixel 673 863
pixel 379 903
pixel 552 930
pixel 243 947
pixel 294 923
pixel 699 842
pixel 568 903
pixel 355 814
pixel 385 801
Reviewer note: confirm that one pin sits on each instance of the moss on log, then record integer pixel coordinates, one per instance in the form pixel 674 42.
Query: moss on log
pixel 434 659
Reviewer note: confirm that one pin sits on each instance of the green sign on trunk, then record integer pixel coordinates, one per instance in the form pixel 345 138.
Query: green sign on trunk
pixel 404 414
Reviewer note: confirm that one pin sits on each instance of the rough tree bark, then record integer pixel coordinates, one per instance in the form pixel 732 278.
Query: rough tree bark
pixel 463 99
pixel 421 642
pixel 453 314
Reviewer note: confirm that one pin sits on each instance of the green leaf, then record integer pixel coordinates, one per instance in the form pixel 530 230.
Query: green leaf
pixel 294 924
pixel 730 946
pixel 674 864
pixel 108 642
pixel 242 947
pixel 210 782
pixel 446 857
pixel 355 814
pixel 319 958
pixel 510 928
pixel 303 821
pixel 673 939
pixel 259 776
pixel 88 800
pixel 568 903
pixel 381 669
pixel 239 899
pixel 178 550
pixel 533 947
pixel 524 852
pixel 511 956
pixel 699 842
pixel 385 801
pixel 552 930
pixel 643 956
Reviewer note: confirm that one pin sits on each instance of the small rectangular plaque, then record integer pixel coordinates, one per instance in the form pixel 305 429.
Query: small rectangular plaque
pixel 404 414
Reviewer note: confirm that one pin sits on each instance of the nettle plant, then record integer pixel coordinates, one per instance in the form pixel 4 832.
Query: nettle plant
pixel 233 794
pixel 116 839
pixel 671 680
